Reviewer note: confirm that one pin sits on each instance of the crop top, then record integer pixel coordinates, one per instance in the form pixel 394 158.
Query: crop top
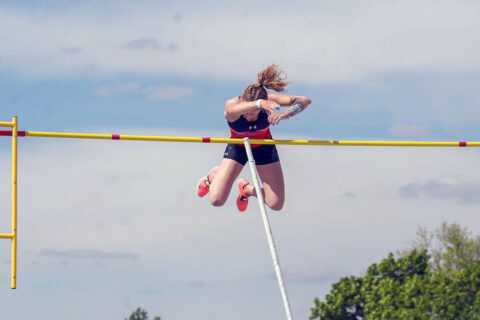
pixel 258 129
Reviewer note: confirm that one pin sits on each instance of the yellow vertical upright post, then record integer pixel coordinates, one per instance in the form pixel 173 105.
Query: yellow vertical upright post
pixel 14 203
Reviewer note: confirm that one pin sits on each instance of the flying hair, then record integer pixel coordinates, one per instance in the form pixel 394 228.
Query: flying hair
pixel 270 78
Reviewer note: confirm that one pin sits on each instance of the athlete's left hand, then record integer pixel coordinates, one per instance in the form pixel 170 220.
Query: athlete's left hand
pixel 275 117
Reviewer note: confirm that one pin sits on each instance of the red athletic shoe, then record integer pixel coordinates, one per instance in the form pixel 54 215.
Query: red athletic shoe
pixel 242 200
pixel 203 185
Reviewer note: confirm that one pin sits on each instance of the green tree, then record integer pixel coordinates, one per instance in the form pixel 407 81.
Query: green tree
pixel 456 295
pixel 140 314
pixel 412 286
pixel 392 289
pixel 451 246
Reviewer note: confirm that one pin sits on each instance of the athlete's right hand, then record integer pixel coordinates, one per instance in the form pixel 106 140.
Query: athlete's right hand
pixel 269 106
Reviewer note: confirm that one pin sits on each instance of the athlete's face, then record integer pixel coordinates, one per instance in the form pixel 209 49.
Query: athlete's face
pixel 252 115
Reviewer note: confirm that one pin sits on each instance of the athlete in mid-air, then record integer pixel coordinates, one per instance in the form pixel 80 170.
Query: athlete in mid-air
pixel 250 115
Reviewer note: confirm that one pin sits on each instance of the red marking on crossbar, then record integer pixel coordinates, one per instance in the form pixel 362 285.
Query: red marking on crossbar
pixel 206 139
pixel 9 133
pixel 462 144
pixel 5 133
pixel 115 137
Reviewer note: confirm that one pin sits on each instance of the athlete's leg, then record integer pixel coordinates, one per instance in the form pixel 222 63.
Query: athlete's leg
pixel 273 185
pixel 222 183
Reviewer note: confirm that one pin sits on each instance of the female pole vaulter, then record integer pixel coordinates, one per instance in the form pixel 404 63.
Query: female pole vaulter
pixel 250 115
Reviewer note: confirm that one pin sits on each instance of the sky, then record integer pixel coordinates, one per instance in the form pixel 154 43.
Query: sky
pixel 109 226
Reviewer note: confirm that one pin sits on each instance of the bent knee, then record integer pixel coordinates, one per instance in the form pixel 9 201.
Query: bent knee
pixel 217 201
pixel 277 206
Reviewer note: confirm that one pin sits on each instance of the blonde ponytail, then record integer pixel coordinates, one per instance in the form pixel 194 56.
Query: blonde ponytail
pixel 271 78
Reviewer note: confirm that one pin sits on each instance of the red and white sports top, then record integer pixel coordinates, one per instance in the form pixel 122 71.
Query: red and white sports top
pixel 258 129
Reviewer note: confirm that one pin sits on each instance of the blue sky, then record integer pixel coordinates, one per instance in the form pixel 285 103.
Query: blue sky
pixel 110 226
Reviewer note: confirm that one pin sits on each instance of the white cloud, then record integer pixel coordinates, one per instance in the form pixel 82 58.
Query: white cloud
pixel 87 254
pixel 71 50
pixel 142 43
pixel 178 17
pixel 462 188
pixel 161 92
pixel 169 93
pixel 196 284
pixel 314 274
pixel 349 194
pixel 472 118
pixel 325 42
pixel 410 130
pixel 103 92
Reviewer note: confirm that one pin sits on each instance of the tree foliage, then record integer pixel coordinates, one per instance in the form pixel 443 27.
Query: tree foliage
pixel 451 246
pixel 140 314
pixel 413 286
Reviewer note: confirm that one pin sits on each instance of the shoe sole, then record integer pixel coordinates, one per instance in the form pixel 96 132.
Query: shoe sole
pixel 202 178
pixel 196 188
pixel 238 182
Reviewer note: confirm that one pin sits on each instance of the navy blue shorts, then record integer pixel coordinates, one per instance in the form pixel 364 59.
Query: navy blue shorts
pixel 264 154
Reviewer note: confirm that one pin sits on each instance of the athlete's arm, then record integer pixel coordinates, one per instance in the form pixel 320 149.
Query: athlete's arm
pixel 234 108
pixel 286 100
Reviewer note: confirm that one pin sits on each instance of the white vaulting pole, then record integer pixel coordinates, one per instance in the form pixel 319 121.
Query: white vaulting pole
pixel 268 231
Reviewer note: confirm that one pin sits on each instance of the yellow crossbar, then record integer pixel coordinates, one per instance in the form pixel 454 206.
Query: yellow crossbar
pixel 6 236
pixel 6 124
pixel 254 141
